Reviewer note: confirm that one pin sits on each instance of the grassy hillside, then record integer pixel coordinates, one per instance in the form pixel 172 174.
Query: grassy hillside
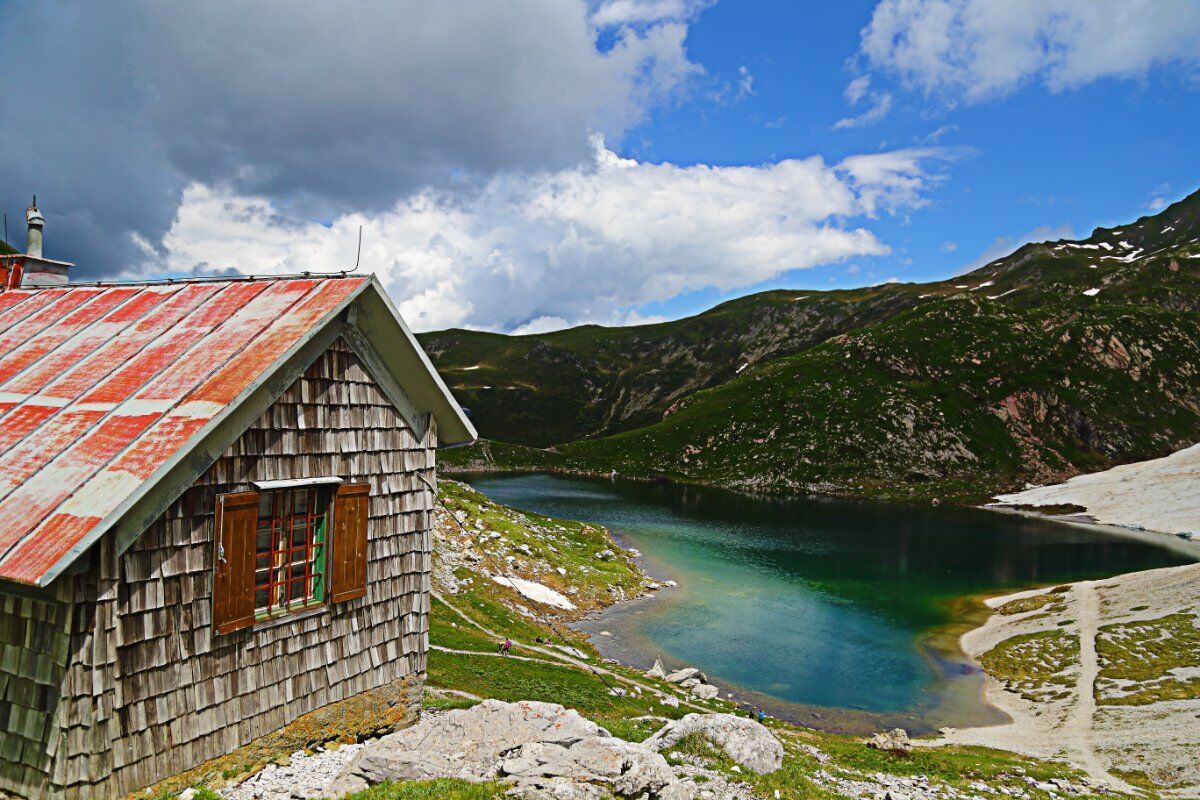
pixel 6 248
pixel 1062 358
pixel 589 381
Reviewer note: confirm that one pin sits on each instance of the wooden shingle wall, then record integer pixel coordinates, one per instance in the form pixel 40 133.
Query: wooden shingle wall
pixel 34 642
pixel 151 691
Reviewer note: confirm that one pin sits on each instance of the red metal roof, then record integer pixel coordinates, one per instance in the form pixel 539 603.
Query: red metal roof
pixel 100 385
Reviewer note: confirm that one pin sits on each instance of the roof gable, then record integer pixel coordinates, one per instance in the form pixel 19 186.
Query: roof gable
pixel 107 391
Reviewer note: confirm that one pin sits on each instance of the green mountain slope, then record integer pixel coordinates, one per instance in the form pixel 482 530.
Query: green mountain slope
pixel 6 249
pixel 1061 358
pixel 589 381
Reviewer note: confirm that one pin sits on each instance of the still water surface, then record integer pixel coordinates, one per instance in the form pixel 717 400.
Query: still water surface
pixel 820 609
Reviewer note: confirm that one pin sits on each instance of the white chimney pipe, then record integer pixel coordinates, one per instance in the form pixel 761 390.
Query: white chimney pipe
pixel 35 220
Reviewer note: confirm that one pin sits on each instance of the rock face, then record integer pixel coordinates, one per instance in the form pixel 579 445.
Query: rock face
pixel 657 671
pixel 550 751
pixel 744 740
pixel 893 741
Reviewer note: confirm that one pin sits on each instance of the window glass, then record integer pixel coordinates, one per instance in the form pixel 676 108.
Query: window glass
pixel 289 565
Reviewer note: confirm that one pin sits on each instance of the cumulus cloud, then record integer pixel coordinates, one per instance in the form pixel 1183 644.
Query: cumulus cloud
pixel 537 251
pixel 979 49
pixel 324 108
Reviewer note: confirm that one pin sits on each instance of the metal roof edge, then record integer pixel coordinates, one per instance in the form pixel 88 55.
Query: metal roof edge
pixel 454 427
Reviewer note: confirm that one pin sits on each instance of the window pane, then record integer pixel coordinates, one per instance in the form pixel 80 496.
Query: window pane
pixel 287 551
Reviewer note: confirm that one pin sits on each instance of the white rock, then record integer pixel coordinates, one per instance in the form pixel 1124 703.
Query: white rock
pixel 681 675
pixel 657 671
pixel 744 740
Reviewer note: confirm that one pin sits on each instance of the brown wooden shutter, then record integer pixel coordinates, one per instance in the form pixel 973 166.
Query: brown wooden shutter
pixel 233 577
pixel 348 562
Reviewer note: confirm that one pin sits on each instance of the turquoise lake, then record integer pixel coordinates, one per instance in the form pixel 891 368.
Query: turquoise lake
pixel 822 610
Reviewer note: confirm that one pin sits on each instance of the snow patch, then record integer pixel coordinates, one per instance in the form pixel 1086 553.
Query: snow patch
pixel 1158 495
pixel 537 592
pixel 1091 292
pixel 468 369
pixel 983 285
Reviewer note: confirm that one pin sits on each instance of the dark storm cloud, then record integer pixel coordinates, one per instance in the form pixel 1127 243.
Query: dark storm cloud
pixel 112 109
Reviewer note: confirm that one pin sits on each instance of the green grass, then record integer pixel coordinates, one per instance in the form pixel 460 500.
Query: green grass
pixel 1035 665
pixel 566 544
pixel 440 789
pixel 1145 653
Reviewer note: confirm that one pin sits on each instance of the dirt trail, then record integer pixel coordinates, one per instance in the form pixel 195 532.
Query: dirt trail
pixel 1082 727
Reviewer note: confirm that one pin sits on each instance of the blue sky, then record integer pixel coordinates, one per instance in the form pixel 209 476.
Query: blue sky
pixel 529 165
pixel 1042 162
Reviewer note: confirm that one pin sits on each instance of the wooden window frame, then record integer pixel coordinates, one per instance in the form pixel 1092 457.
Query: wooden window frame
pixel 281 521
pixel 342 541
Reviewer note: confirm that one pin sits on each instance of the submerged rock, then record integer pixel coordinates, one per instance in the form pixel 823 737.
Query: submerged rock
pixel 745 741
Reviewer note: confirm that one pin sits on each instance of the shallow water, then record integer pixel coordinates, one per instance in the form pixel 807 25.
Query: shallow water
pixel 821 609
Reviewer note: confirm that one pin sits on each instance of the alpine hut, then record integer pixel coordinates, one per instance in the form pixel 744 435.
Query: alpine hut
pixel 215 510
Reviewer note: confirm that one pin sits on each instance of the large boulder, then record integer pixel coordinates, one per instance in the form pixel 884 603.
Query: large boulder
pixel 681 675
pixel 745 741
pixel 893 741
pixel 657 671
pixel 631 769
pixel 465 743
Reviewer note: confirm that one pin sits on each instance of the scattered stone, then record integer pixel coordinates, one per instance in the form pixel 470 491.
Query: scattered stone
pixel 657 671
pixel 893 741
pixel 681 675
pixel 705 691
pixel 745 741
pixel 670 701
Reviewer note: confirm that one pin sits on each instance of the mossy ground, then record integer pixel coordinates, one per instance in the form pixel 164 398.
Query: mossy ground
pixel 1037 666
pixel 1149 661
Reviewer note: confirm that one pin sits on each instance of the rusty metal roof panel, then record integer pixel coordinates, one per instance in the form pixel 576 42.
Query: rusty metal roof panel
pixel 100 386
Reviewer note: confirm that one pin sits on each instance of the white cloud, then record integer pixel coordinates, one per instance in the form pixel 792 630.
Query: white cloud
pixel 949 246
pixel 1004 245
pixel 584 244
pixel 979 49
pixel 626 12
pixel 745 83
pixel 1160 198
pixel 881 105
pixel 858 90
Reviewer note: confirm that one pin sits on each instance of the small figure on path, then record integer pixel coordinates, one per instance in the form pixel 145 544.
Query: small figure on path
pixel 761 715
pixel 505 646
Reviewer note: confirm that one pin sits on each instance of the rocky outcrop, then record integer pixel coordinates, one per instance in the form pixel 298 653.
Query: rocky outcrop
pixel 745 741
pixel 549 751
pixel 893 741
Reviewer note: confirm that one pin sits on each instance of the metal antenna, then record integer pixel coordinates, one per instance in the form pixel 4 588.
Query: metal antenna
pixel 358 257
pixel 6 227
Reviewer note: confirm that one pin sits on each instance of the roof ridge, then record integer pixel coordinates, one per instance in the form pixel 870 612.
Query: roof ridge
pixel 207 279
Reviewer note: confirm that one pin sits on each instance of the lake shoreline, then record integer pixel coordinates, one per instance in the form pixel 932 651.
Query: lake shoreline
pixel 968 614
pixel 957 693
